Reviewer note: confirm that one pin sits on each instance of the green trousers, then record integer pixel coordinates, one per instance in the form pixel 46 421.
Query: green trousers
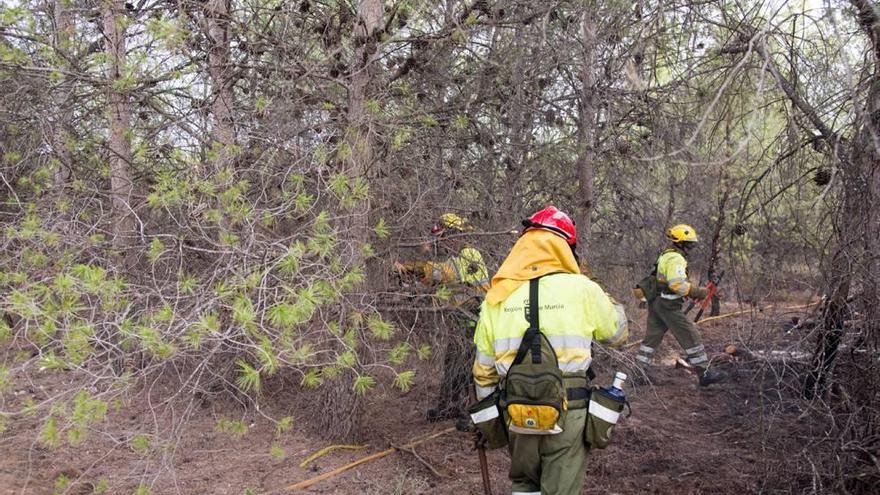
pixel 550 464
pixel 666 314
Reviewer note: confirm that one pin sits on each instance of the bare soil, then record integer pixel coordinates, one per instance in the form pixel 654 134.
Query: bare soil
pixel 737 437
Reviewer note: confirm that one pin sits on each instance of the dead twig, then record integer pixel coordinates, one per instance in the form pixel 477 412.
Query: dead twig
pixel 412 450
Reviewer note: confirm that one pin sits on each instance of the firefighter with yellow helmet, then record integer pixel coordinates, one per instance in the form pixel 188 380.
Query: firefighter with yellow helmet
pixel 665 306
pixel 465 274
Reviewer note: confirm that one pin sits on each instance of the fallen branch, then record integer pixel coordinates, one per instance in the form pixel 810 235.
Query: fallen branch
pixel 425 463
pixel 735 313
pixel 378 455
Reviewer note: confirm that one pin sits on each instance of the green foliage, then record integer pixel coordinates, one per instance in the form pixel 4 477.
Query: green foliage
pixel 401 138
pixel 29 407
pixel 363 384
pixel 404 380
pixel 399 353
pixel 231 427
pixel 424 352
pixel 322 244
pixel 277 451
pixel 346 359
pixel 92 278
pixel 101 487
pixel 381 229
pixel 261 103
pixel 186 284
pixel 5 379
pixel 380 328
pixel 49 361
pixel 49 435
pixel 243 311
pixel 62 482
pixel 249 377
pixel 209 322
pixel 156 249
pixel 86 412
pixel 142 490
pixel 267 356
pixel 284 315
pixel 283 426
pixel 312 378
pixel 289 263
pixel 443 293
pixel 429 121
pixel 153 343
pixel 139 443
pixel 76 342
pixel 339 185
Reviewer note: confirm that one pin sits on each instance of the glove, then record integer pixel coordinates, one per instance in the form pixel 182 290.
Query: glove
pixel 698 293
pixel 638 293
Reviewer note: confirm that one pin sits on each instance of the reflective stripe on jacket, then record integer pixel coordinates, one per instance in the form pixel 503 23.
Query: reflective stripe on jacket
pixel 574 310
pixel 672 271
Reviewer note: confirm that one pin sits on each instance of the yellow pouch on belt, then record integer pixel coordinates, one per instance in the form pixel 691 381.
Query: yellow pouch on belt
pixel 533 419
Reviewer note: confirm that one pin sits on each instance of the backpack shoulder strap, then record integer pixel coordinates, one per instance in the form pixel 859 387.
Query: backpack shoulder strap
pixel 532 338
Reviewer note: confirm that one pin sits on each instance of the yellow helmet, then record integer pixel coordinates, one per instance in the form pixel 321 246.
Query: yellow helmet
pixel 451 221
pixel 682 233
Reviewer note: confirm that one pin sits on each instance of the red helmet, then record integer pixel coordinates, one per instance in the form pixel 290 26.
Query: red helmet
pixel 553 220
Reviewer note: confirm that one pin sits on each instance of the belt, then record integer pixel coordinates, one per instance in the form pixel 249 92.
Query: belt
pixel 579 393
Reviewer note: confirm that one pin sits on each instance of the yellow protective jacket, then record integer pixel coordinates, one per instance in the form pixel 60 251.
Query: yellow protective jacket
pixel 467 267
pixel 573 311
pixel 672 271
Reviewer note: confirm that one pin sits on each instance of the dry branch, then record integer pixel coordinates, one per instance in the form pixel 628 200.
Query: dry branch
pixel 378 455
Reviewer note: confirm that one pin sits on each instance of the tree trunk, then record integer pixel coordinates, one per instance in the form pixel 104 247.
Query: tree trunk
pixel 358 136
pixel 855 229
pixel 220 70
pixel 586 130
pixel 344 407
pixel 715 249
pixel 118 116
pixel 59 122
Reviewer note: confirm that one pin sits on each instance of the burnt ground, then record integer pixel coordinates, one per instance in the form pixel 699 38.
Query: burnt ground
pixel 744 436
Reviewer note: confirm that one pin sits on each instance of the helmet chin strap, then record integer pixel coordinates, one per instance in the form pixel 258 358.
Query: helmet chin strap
pixel 684 246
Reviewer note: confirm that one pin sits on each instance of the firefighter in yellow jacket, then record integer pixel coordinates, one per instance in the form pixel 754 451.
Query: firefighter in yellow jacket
pixel 665 312
pixel 574 311
pixel 465 274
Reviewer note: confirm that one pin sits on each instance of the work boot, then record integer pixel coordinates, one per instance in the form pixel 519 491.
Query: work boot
pixel 710 376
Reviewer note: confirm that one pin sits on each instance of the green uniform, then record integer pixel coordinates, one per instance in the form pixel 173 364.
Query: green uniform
pixel 665 313
pixel 573 311
pixel 550 464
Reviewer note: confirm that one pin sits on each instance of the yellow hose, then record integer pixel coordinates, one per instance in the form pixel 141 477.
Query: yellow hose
pixel 327 450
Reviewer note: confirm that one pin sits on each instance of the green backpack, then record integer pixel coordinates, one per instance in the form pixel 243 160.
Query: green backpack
pixel 532 393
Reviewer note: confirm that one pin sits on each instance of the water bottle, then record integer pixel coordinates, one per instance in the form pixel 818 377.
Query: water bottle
pixel 616 388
